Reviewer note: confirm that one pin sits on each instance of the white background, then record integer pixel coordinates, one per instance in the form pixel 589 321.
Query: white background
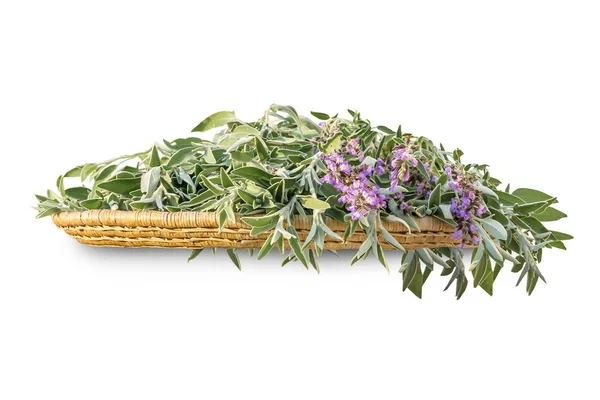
pixel 514 85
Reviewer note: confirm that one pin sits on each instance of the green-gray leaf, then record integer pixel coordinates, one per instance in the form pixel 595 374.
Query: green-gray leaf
pixel 550 214
pixel 194 254
pixel 320 115
pixel 150 180
pixel 121 186
pixel 215 120
pixel 531 195
pixel 179 157
pixel 313 203
pixel 232 253
pixel 435 198
pixel 296 247
pixel 79 193
pixel 494 228
pixel 252 173
pixel 92 204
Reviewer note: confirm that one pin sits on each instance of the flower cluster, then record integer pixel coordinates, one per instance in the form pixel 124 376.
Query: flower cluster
pixel 464 207
pixel 328 129
pixel 401 161
pixel 353 148
pixel 358 193
pixel 403 167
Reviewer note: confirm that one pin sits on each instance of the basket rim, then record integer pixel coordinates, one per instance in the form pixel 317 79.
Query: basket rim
pixel 202 219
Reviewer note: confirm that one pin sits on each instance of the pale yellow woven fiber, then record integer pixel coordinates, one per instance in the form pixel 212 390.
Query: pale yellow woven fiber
pixel 196 230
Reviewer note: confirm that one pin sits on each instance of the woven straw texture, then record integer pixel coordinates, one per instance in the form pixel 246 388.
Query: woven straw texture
pixel 196 230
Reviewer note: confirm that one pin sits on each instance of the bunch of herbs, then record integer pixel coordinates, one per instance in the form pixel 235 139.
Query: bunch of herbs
pixel 268 171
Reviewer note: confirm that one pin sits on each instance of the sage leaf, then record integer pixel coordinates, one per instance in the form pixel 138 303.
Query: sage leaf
pixel 74 173
pixel 508 199
pixel 422 170
pixel 329 232
pixel 528 208
pixel 437 259
pixel 385 129
pixel 266 247
pixel 381 257
pixel 155 158
pixel 550 214
pixel 313 261
pixel 79 193
pixel 487 191
pixel 295 245
pixel 212 187
pixel 92 204
pixel 194 254
pixel 332 144
pixel 425 256
pixel 61 185
pixel 49 211
pixel 252 173
pixel 105 173
pixel 320 115
pixel 390 239
pixel 179 157
pixel 561 236
pixel 313 203
pixel 87 170
pixel 291 111
pixel 232 253
pixel 434 198
pixel 121 186
pixel 215 120
pixel 531 195
pixel 260 221
pixel 413 278
pixel 494 228
pixel 225 179
pixel 200 199
pixel 150 180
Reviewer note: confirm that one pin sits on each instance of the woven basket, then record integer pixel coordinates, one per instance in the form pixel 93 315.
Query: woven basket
pixel 196 230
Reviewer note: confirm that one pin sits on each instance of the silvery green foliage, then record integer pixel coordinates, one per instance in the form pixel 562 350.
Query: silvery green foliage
pixel 284 164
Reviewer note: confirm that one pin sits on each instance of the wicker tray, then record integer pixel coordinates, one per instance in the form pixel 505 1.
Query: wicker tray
pixel 195 230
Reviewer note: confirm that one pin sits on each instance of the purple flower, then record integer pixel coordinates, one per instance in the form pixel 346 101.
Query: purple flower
pixel 457 235
pixel 481 210
pixel 466 206
pixel 379 170
pixel 406 176
pixel 357 192
pixel 353 148
pixel 401 162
